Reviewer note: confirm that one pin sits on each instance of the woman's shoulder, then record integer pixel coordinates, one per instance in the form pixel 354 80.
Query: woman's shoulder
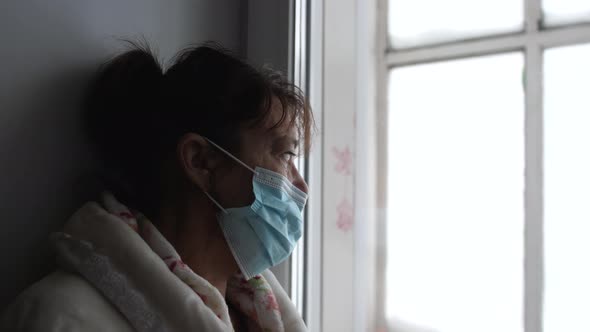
pixel 62 301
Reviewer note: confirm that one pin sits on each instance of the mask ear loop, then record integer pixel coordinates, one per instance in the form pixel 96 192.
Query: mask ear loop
pixel 230 155
pixel 234 158
pixel 215 202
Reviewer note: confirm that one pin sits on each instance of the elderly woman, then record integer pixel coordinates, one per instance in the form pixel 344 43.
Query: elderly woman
pixel 204 197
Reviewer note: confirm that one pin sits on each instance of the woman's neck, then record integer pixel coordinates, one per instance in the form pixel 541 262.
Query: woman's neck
pixel 193 230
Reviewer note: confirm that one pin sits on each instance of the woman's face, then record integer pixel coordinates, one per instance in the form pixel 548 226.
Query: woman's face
pixel 262 146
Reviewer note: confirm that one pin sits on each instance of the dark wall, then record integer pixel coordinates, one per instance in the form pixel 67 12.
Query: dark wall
pixel 49 50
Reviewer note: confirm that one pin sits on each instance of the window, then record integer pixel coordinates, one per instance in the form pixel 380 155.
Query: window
pixel 465 160
pixel 410 25
pixel 487 217
pixel 567 188
pixel 559 12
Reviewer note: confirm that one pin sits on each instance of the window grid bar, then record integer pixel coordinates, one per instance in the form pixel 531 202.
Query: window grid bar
pixel 533 195
pixel 533 17
pixel 533 223
pixel 464 49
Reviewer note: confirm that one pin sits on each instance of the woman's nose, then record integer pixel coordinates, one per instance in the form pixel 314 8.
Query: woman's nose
pixel 298 180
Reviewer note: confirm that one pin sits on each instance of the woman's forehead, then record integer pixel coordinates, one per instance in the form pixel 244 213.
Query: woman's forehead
pixel 279 120
pixel 274 126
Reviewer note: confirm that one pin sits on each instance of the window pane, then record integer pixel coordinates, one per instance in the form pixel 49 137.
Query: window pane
pixel 419 22
pixel 455 196
pixel 557 12
pixel 567 189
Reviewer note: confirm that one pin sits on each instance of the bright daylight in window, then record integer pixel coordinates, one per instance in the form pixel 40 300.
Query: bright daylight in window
pixel 419 22
pixel 567 189
pixel 488 190
pixel 456 163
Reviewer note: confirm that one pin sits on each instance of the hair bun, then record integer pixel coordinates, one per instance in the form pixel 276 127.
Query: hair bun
pixel 120 109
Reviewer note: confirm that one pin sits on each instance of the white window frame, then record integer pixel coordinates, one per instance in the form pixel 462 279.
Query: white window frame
pixel 307 73
pixel 533 40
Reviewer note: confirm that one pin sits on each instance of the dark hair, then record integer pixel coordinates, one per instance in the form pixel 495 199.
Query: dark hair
pixel 136 112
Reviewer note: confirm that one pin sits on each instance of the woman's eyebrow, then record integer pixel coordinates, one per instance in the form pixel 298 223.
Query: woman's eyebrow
pixel 290 140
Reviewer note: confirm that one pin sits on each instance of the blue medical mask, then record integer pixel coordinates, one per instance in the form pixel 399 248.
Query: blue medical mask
pixel 265 233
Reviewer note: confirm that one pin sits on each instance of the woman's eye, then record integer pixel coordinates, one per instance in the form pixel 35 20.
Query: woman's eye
pixel 288 156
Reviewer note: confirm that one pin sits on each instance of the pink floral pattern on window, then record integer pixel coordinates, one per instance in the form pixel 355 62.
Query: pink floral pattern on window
pixel 345 215
pixel 343 159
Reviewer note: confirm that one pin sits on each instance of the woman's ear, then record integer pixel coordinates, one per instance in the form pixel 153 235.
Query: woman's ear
pixel 196 159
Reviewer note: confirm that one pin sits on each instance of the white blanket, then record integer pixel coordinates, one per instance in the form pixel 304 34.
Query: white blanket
pixel 124 256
